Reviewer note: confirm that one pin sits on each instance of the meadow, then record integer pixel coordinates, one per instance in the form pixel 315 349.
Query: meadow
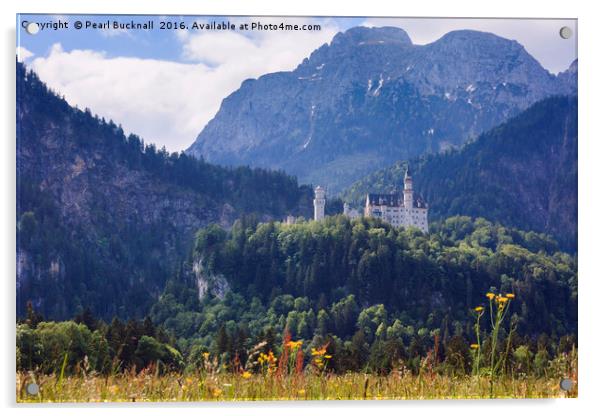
pixel 148 387
pixel 298 374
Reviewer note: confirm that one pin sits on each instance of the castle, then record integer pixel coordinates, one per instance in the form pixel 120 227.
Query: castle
pixel 399 210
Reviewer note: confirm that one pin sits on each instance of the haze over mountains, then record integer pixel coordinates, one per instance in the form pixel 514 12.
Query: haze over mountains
pixel 370 98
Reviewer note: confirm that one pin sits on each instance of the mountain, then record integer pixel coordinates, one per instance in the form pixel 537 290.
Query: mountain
pixel 103 219
pixel 521 174
pixel 371 97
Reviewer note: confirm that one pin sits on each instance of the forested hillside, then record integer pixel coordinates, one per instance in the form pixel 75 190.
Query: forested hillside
pixel 522 174
pixel 104 219
pixel 359 284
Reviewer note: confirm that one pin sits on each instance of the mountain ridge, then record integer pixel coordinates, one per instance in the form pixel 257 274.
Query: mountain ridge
pixel 371 97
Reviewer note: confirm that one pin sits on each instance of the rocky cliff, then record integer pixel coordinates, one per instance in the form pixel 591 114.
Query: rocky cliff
pixel 371 97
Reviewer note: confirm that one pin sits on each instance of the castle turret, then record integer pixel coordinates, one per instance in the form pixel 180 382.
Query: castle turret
pixel 319 203
pixel 408 192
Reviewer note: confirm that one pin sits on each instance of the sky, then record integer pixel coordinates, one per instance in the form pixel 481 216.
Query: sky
pixel 165 84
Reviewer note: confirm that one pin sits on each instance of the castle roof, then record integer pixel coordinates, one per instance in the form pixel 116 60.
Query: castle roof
pixel 393 200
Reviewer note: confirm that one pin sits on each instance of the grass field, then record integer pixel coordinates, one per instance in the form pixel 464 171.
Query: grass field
pixel 147 387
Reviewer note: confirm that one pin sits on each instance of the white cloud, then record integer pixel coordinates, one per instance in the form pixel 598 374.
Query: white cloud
pixel 23 54
pixel 165 102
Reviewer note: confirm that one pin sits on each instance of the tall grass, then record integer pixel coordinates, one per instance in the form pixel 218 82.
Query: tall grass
pixel 147 386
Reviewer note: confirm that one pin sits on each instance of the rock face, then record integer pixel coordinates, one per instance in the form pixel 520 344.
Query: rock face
pixel 209 284
pixel 371 97
pixel 103 220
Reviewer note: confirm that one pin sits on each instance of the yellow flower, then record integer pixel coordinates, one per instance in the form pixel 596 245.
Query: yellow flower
pixel 328 357
pixel 206 355
pixel 246 374
pixel 502 299
pixel 216 392
pixel 478 309
pixel 490 295
pixel 510 295
pixel 474 346
pixel 302 391
pixel 294 344
pixel 113 389
pixel 321 351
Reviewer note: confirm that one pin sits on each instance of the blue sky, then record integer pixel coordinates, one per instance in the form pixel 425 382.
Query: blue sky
pixel 165 85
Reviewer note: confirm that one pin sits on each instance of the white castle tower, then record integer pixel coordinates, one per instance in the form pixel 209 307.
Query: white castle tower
pixel 408 192
pixel 319 203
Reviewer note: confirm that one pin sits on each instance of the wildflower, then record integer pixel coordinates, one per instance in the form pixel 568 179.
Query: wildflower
pixel 301 391
pixel 246 375
pixel 478 309
pixel 474 346
pixel 510 295
pixel 216 392
pixel 315 352
pixel 206 355
pixel 502 299
pixel 490 295
pixel 327 356
pixel 294 344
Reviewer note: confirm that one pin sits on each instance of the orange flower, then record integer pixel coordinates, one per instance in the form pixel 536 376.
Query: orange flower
pixel 294 344
pixel 490 295
pixel 478 309
pixel 510 295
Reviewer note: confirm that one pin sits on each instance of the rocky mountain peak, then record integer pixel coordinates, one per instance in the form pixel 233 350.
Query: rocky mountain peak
pixel 370 97
pixel 361 35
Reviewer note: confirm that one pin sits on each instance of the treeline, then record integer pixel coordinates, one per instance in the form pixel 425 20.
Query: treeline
pixel 522 174
pixel 249 189
pixel 86 344
pixel 373 293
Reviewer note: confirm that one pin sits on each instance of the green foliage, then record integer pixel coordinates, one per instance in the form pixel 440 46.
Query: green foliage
pixel 522 174
pixel 68 347
pixel 378 290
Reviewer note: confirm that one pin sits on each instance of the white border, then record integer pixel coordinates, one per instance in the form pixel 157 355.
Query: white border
pixel 590 139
